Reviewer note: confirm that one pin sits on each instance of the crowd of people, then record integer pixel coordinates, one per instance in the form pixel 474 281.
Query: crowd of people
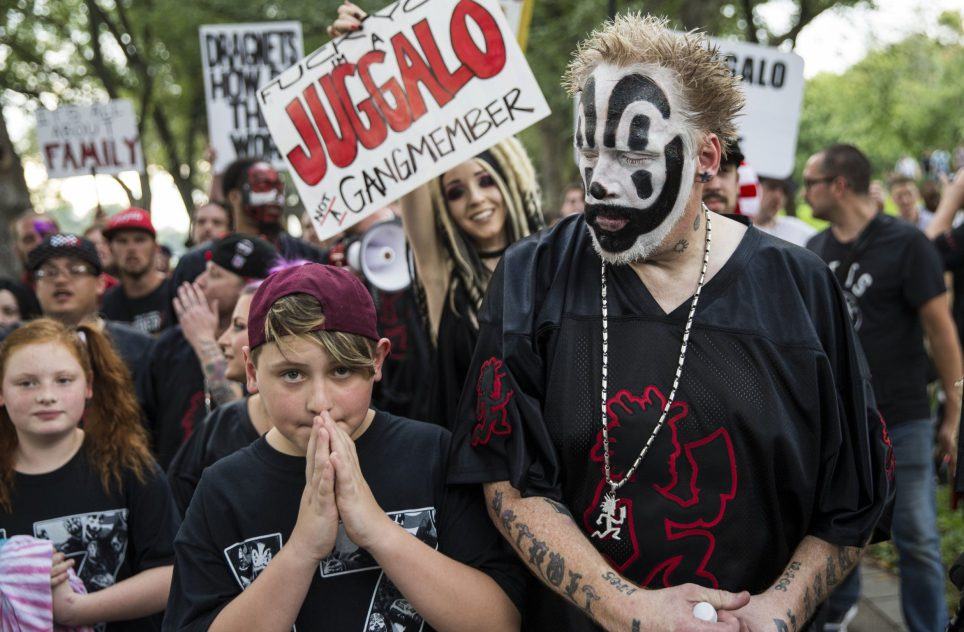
pixel 662 412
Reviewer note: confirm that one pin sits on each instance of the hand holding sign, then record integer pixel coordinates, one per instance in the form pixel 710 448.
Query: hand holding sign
pixel 349 19
pixel 422 86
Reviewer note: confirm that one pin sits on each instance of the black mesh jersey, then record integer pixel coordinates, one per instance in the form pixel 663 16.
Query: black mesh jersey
pixel 773 434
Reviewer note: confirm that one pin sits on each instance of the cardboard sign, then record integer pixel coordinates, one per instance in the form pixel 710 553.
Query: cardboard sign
pixel 519 15
pixel 78 140
pixel 773 84
pixel 422 87
pixel 238 59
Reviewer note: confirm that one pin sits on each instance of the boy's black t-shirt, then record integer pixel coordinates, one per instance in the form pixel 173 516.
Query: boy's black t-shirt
pixel 895 271
pixel 109 535
pixel 149 314
pixel 247 504
pixel 225 431
pixel 173 394
pixel 772 435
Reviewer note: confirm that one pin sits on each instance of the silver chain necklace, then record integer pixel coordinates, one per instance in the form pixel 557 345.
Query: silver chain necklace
pixel 610 523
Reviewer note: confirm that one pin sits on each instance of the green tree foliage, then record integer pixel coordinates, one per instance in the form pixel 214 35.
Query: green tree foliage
pixel 902 99
pixel 148 51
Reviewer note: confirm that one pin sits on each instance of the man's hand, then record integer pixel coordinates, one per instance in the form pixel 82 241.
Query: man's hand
pixel 58 568
pixel 364 520
pixel 199 321
pixel 947 438
pixel 671 609
pixel 317 525
pixel 767 613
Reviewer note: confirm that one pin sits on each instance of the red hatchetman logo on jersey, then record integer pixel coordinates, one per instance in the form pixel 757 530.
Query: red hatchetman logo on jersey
pixel 492 396
pixel 697 501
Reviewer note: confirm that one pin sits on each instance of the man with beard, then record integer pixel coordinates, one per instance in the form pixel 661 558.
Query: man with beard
pixel 143 297
pixel 626 439
pixel 722 192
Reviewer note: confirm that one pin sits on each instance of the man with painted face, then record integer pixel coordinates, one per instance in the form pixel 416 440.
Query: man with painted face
pixel 254 195
pixel 662 397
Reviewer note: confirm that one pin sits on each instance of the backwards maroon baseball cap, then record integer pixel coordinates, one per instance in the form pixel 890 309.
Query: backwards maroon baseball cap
pixel 345 303
pixel 132 219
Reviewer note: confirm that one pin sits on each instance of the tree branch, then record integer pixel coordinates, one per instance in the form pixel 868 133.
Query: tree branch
pixel 750 22
pixel 806 15
pixel 127 190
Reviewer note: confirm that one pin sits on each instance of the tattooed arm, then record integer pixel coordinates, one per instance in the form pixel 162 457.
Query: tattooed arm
pixel 816 568
pixel 199 324
pixel 548 541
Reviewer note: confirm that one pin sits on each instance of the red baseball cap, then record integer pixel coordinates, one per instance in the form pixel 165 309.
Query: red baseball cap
pixel 345 303
pixel 132 219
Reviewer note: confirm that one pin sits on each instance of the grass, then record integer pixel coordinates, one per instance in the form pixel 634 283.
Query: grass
pixel 950 525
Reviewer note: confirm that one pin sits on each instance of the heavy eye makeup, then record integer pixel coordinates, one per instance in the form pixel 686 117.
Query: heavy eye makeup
pixel 455 190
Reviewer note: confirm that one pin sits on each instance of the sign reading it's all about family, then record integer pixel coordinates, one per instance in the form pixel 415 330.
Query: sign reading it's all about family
pixel 421 87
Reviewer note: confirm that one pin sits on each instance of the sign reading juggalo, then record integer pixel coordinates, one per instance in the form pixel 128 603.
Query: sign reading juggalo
pixel 422 87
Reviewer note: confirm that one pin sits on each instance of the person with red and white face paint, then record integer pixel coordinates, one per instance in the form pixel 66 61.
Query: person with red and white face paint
pixel 668 410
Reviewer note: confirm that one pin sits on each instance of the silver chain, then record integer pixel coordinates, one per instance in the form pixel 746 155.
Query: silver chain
pixel 615 485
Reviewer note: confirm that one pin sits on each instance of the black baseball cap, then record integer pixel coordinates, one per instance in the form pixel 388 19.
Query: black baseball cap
pixel 64 245
pixel 247 256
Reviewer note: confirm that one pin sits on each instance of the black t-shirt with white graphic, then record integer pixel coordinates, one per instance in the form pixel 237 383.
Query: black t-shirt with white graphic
pixel 772 436
pixel 149 314
pixel 895 271
pixel 225 431
pixel 247 504
pixel 173 390
pixel 109 535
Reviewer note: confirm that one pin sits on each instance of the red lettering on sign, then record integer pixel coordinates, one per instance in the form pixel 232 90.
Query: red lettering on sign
pixel 343 147
pixel 400 117
pixel 311 165
pixel 483 64
pixel 451 81
pixel 414 70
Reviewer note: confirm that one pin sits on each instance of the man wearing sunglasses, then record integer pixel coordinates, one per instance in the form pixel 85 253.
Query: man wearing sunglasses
pixel 892 278
pixel 68 278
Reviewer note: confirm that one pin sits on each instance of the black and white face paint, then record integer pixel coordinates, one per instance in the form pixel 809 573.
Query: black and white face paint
pixel 636 157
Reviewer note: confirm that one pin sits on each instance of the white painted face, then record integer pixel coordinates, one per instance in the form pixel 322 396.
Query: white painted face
pixel 636 157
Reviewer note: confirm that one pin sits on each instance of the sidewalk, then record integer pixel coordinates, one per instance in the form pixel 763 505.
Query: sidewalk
pixel 879 608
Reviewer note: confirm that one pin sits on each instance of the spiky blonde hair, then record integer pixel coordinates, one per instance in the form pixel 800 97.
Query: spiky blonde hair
pixel 711 93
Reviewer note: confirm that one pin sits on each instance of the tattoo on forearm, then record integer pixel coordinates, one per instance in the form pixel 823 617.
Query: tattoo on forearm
pixel 508 517
pixel 831 573
pixel 681 245
pixel 553 572
pixel 591 596
pixel 787 578
pixel 537 552
pixel 808 606
pixel 497 503
pixel 818 589
pixel 636 621
pixel 696 222
pixel 556 569
pixel 559 507
pixel 522 531
pixel 618 583
pixel 781 625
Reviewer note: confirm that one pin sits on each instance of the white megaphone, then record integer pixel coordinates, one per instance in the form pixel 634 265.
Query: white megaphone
pixel 380 256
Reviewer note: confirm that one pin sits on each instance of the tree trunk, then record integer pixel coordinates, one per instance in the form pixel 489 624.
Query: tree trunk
pixel 14 199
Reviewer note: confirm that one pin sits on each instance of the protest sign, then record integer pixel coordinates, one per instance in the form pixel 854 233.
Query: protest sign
pixel 519 15
pixel 237 60
pixel 78 140
pixel 773 84
pixel 422 87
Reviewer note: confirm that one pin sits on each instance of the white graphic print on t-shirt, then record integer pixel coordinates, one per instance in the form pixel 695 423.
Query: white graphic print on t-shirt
pixel 96 541
pixel 388 610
